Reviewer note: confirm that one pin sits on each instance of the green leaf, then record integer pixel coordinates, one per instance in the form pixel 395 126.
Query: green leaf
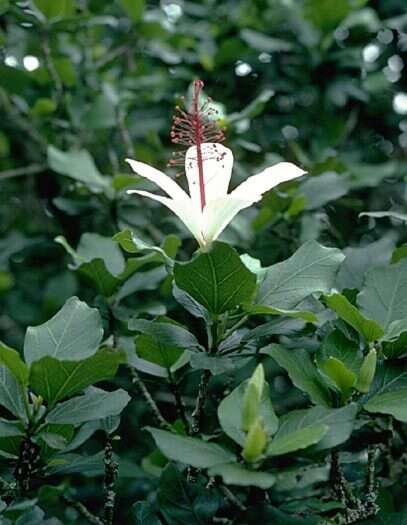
pixel 101 114
pixel 302 372
pixel 337 345
pixel 153 350
pixel 383 298
pixel 78 165
pixel 134 8
pixel 340 422
pixel 265 43
pixel 74 333
pixel 168 333
pixel 312 269
pixel 230 413
pixel 324 188
pixel 11 358
pixel 94 404
pixel 389 379
pixel 359 259
pixel 393 403
pixel 290 441
pixel 217 279
pixel 343 378
pixel 234 474
pixel 10 428
pixel 393 518
pixel 51 9
pixel 185 503
pixel 369 329
pixel 98 259
pixel 11 395
pixel 188 450
pixel 143 513
pixel 55 380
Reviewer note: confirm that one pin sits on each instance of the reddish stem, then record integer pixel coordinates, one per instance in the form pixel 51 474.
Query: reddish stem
pixel 198 85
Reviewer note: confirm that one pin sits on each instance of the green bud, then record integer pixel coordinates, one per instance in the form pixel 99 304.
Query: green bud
pixel 367 372
pixel 343 378
pixel 256 442
pixel 252 398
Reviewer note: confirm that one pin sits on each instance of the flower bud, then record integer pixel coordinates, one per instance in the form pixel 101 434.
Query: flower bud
pixel 256 441
pixel 367 372
pixel 252 398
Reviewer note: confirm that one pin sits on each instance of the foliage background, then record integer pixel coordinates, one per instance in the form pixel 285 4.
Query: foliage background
pixel 317 82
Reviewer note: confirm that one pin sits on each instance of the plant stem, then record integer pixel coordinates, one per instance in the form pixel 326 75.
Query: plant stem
pixel 111 470
pixel 27 459
pixel 178 399
pixel 83 511
pixel 150 401
pixel 232 498
pixel 19 172
pixel 200 403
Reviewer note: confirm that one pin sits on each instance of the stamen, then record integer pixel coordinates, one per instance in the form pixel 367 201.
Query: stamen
pixel 193 128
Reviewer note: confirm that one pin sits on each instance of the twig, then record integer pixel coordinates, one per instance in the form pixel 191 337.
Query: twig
pixel 51 67
pixel 83 511
pixel 125 133
pixel 200 402
pixel 19 172
pixel 178 400
pixel 27 460
pixel 232 498
pixel 371 484
pixel 111 470
pixel 150 401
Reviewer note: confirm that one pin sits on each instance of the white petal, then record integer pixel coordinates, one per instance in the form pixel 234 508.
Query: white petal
pixel 255 186
pixel 218 214
pixel 158 177
pixel 183 208
pixel 217 170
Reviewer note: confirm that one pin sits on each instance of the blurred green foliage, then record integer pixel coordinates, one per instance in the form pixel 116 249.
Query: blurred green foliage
pixel 86 83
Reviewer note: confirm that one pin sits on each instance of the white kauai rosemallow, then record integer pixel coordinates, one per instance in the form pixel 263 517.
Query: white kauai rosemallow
pixel 207 215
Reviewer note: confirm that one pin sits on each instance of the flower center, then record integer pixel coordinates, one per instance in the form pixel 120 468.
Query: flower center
pixel 193 128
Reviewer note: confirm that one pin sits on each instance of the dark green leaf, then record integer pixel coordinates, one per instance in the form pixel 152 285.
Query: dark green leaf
pixel 217 279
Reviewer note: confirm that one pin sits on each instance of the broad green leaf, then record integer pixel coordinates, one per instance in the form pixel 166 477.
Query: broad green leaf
pixel 55 380
pixel 78 165
pixel 256 309
pixel 217 279
pixel 262 42
pixel 393 403
pixel 134 8
pixel 184 503
pixel 343 378
pixel 11 395
pixel 167 333
pixel 323 188
pixel 99 259
pixel 74 333
pixel 10 428
pixel 143 513
pixel 337 345
pixel 327 14
pixel 286 442
pixel 390 378
pixel 312 269
pixel 94 404
pixel 302 372
pixel 369 329
pixel 60 9
pixel 154 350
pixel 230 413
pixel 12 360
pixel 383 298
pixel 89 466
pixel 188 450
pixel 234 474
pixel 132 244
pixel 101 114
pixel 340 422
pixel 359 259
